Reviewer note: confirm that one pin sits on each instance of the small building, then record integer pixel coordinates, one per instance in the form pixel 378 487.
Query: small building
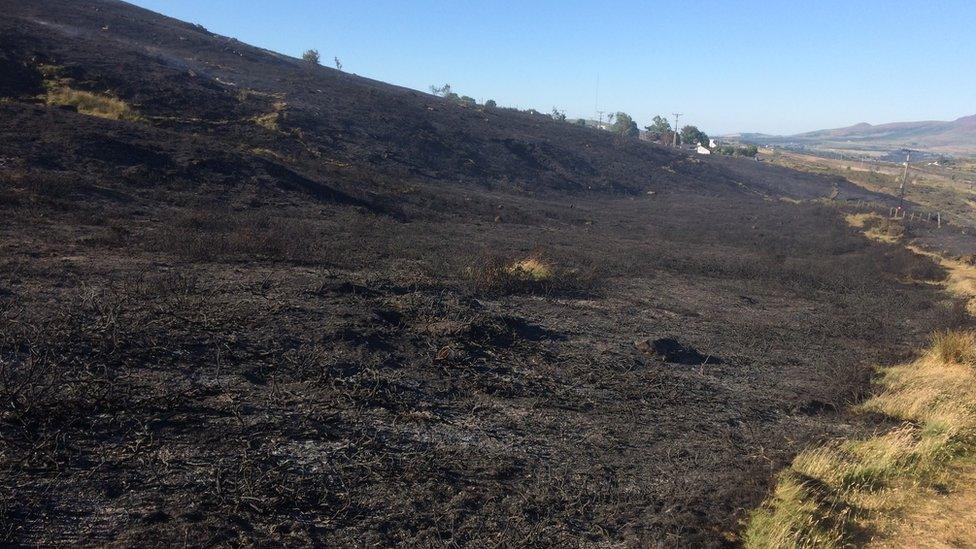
pixel 702 149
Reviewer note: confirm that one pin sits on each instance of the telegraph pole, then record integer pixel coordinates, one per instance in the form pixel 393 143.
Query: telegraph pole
pixel 904 180
pixel 596 100
pixel 675 141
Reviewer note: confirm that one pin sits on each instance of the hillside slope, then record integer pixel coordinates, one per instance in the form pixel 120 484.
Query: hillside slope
pixel 248 301
pixel 186 80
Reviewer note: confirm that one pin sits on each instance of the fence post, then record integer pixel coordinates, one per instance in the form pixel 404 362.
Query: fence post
pixel 938 216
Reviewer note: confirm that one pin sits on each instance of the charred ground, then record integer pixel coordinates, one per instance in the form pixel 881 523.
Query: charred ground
pixel 278 307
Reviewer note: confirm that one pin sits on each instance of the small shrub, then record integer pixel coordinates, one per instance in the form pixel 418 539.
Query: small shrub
pixel 311 57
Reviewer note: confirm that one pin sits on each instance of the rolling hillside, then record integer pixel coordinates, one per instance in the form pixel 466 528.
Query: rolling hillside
pixel 245 300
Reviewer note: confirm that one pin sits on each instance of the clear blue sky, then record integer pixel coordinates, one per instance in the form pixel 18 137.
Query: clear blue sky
pixel 772 66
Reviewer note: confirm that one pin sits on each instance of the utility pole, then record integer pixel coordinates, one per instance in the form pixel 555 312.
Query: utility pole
pixel 674 143
pixel 596 101
pixel 904 180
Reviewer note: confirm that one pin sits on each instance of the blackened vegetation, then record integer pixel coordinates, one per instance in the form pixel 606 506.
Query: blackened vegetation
pixel 218 332
pixel 669 349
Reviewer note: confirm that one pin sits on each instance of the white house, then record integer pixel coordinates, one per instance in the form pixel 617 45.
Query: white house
pixel 702 149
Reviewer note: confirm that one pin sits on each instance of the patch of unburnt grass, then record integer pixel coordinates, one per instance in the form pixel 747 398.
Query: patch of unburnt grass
pixel 92 104
pixel 878 227
pixel 270 121
pixel 536 275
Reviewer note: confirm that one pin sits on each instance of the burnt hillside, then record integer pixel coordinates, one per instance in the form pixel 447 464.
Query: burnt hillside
pixel 333 131
pixel 244 301
pixel 188 82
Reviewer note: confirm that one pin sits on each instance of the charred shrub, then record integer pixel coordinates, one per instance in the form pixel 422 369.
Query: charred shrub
pixel 952 314
pixel 19 79
pixel 927 270
pixel 40 187
pixel 214 236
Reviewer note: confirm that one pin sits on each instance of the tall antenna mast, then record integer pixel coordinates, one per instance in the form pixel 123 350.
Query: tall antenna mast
pixel 674 142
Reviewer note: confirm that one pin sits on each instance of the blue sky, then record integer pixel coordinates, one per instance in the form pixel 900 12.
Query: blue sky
pixel 772 66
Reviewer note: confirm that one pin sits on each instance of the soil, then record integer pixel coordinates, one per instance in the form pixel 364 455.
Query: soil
pixel 219 332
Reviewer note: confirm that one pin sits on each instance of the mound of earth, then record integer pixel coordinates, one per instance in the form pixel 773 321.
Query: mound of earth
pixel 668 349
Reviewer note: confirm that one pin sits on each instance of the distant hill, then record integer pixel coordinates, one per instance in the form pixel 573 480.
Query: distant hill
pixel 955 137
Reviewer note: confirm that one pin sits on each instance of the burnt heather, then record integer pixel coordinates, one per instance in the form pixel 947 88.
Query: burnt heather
pixel 258 302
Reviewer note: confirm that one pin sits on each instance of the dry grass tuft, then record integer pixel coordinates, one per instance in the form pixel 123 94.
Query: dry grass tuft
pixel 268 121
pixel 877 227
pixel 955 347
pixel 272 120
pixel 495 276
pixel 860 220
pixel 531 269
pixel 92 104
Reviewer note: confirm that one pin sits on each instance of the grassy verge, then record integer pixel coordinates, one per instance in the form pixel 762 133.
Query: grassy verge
pixel 853 492
pixel 876 490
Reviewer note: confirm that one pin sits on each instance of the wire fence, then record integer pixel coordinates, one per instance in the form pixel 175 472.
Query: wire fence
pixel 908 214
